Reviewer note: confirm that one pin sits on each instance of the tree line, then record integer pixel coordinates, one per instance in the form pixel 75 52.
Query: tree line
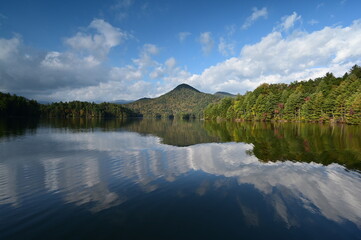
pixel 324 99
pixel 78 109
pixel 17 106
pixel 14 106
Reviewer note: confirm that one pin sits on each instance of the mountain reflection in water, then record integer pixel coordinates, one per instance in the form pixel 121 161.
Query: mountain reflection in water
pixel 105 166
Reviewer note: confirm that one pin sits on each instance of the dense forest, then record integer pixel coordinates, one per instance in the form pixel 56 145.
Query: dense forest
pixel 183 101
pixel 15 106
pixel 325 99
pixel 77 109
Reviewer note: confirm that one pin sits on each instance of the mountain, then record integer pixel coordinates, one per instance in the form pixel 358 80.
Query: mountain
pixel 186 86
pixel 224 94
pixel 122 101
pixel 184 101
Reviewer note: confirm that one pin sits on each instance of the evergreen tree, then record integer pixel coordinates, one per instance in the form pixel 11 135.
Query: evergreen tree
pixel 324 99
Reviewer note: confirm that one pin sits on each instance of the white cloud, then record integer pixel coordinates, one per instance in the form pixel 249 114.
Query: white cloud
pixel 226 48
pixel 75 74
pixel 67 61
pixel 256 14
pixel 207 42
pixel 130 82
pixel 9 47
pixel 289 21
pixel 126 74
pixel 98 44
pixel 170 75
pixel 145 60
pixel 32 73
pixel 28 72
pixel 275 58
pixel 109 91
pixel 182 36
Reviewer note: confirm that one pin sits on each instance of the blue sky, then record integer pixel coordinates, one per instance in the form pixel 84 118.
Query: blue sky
pixel 128 49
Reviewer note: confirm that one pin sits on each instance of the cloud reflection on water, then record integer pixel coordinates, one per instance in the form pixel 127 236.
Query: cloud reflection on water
pixel 81 167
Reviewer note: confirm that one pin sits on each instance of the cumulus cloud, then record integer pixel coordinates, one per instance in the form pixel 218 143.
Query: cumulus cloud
pixel 35 73
pixel 207 42
pixel 182 36
pixel 22 69
pixel 169 74
pixel 98 44
pixel 80 73
pixel 110 90
pixel 256 14
pixel 9 47
pixel 145 60
pixel 130 81
pixel 276 58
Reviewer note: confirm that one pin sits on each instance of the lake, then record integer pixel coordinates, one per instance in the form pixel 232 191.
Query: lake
pixel 164 179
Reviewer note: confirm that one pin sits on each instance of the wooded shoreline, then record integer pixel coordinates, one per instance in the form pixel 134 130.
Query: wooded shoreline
pixel 325 99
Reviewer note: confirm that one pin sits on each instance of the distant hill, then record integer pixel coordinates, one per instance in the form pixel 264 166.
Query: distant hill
pixel 122 101
pixel 184 101
pixel 224 94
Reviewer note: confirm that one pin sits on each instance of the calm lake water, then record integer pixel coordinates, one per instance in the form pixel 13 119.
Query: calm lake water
pixel 157 179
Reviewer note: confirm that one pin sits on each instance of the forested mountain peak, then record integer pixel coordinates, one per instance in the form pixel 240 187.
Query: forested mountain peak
pixel 183 101
pixel 184 86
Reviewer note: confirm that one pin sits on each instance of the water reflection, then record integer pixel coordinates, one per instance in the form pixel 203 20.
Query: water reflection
pixel 173 132
pixel 8 180
pixel 99 170
pixel 321 143
pixel 15 127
